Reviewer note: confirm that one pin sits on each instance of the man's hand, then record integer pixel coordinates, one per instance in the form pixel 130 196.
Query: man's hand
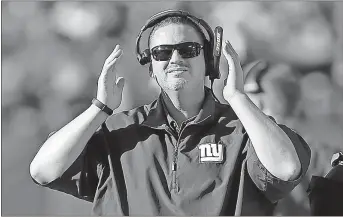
pixel 110 88
pixel 235 81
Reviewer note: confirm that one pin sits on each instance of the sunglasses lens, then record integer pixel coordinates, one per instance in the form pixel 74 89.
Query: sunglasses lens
pixel 186 50
pixel 162 53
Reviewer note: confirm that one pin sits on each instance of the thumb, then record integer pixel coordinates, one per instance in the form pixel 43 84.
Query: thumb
pixel 120 83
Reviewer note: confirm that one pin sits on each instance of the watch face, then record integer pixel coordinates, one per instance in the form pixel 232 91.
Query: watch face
pixel 337 158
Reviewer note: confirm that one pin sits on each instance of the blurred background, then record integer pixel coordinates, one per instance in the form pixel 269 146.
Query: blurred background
pixel 53 52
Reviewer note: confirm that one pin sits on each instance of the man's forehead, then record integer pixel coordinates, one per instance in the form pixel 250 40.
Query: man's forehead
pixel 175 33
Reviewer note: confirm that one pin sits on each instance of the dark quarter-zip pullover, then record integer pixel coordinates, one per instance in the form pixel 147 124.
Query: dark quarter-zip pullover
pixel 141 163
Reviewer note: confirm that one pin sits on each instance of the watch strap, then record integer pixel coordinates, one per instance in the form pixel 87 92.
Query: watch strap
pixel 102 106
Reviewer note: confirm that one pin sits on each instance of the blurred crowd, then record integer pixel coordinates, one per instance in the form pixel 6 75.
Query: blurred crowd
pixel 53 52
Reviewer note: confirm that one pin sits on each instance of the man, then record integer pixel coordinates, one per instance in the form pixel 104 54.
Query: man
pixel 183 154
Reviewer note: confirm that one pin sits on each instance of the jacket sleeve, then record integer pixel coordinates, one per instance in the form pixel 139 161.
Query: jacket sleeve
pixel 81 178
pixel 272 187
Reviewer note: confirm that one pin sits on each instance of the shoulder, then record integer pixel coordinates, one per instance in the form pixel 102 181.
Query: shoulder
pixel 130 117
pixel 225 115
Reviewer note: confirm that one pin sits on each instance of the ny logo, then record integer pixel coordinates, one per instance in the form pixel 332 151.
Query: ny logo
pixel 210 152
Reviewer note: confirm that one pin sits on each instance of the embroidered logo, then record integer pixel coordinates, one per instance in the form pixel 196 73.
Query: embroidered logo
pixel 211 152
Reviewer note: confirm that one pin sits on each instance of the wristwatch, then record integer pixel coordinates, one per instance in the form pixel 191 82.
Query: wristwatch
pixel 102 106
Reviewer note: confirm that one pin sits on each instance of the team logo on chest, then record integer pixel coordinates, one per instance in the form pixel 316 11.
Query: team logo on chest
pixel 211 153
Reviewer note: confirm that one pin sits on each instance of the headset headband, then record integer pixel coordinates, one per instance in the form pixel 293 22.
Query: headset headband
pixel 172 13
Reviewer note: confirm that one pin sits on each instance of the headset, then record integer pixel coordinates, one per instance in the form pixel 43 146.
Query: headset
pixel 212 44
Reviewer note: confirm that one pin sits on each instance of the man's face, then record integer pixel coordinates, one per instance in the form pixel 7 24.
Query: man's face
pixel 178 72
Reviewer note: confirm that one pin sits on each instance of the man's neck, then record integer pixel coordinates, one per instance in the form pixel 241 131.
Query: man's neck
pixel 184 104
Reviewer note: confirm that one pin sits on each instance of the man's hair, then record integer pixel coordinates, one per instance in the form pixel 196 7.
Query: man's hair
pixel 176 20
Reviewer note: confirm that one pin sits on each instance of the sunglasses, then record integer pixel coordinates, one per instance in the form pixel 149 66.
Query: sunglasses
pixel 186 50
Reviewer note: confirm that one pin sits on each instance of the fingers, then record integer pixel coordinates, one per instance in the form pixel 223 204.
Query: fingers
pixel 116 56
pixel 113 54
pixel 229 51
pixel 112 59
pixel 229 55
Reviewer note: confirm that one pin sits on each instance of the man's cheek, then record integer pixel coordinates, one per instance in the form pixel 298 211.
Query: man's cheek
pixel 158 70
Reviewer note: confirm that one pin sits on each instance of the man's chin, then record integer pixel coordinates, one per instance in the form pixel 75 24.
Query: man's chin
pixel 176 85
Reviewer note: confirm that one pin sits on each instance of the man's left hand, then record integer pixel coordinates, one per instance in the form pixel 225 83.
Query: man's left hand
pixel 235 81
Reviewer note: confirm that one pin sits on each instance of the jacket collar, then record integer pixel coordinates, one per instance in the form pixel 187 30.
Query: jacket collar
pixel 159 118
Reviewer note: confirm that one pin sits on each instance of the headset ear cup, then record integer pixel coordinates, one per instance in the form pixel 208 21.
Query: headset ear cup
pixel 145 57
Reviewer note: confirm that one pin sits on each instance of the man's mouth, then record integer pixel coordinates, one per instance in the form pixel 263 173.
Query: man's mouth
pixel 177 69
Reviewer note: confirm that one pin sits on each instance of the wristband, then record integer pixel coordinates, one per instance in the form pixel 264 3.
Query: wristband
pixel 102 106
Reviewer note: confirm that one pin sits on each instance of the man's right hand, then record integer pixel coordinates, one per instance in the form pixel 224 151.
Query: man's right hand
pixel 110 88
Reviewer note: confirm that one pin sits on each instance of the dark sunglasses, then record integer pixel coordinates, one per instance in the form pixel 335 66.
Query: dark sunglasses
pixel 186 50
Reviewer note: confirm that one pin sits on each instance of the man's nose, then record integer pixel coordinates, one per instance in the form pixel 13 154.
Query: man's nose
pixel 176 57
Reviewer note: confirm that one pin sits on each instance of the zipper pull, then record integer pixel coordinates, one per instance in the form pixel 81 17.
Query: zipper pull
pixel 174 166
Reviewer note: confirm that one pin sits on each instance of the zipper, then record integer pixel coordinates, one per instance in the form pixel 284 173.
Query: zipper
pixel 174 167
pixel 174 164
